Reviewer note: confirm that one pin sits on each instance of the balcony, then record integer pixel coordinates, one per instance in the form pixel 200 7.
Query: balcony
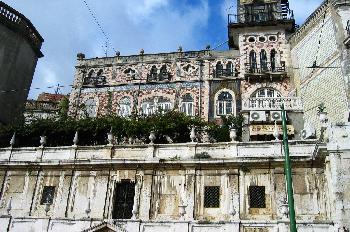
pixel 261 17
pixel 269 70
pixel 290 103
pixel 95 81
pixel 225 73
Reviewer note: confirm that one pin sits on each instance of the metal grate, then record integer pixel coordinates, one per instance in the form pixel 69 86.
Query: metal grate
pixel 48 195
pixel 257 196
pixel 211 196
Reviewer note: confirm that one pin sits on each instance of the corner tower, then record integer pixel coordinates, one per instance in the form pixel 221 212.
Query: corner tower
pixel 259 31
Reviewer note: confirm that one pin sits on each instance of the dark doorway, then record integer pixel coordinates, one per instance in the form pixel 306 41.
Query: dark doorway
pixel 123 200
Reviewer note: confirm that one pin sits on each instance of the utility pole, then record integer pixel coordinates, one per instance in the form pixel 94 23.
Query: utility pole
pixel 288 173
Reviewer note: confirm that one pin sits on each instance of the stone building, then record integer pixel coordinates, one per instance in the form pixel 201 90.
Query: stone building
pixel 19 51
pixel 45 106
pixel 250 78
pixel 194 187
pixel 321 62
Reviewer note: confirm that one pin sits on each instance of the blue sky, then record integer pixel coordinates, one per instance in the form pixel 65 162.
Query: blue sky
pixel 154 25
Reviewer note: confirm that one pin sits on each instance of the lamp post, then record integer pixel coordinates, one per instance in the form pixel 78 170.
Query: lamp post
pixel 288 173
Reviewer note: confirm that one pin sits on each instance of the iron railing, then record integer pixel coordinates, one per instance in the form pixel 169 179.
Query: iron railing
pixel 260 16
pixel 272 103
pixel 264 68
pixel 95 81
pixel 18 22
pixel 222 73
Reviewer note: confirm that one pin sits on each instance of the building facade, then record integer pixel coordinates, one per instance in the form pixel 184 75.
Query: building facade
pixel 19 52
pixel 320 59
pixel 251 78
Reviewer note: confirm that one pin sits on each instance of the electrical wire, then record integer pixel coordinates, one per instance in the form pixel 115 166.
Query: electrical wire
pixel 99 25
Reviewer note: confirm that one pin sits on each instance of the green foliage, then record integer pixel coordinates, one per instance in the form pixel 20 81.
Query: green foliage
pixel 222 133
pixel 63 107
pixel 93 131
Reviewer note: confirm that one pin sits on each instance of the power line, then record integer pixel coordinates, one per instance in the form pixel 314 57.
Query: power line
pixel 99 26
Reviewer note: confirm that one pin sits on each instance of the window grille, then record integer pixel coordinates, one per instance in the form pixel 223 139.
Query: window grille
pixel 47 195
pixel 211 196
pixel 257 196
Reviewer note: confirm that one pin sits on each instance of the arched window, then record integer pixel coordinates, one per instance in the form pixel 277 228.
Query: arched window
pixel 266 98
pixel 125 107
pixel 91 73
pixel 263 60
pixel 187 105
pixel 163 73
pixel 99 73
pixel 90 108
pixel 252 61
pixel 229 68
pixel 224 103
pixel 156 104
pixel 273 60
pixel 153 74
pixel 219 69
pixel 266 92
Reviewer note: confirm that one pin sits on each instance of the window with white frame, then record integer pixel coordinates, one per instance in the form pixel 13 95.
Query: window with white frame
pixel 224 104
pixel 157 104
pixel 125 107
pixel 266 98
pixel 187 105
pixel 266 92
pixel 90 108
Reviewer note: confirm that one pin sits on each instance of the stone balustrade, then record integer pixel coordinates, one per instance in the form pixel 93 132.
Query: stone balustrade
pixel 290 103
pixel 18 22
pixel 155 153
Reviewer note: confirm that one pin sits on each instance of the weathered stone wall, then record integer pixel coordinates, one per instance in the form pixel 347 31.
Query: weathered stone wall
pixel 166 177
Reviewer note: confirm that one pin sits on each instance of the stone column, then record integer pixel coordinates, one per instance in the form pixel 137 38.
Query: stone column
pixel 138 185
pixel 146 195
pixel 189 190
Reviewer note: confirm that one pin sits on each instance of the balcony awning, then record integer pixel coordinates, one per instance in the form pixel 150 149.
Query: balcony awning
pixel 268 129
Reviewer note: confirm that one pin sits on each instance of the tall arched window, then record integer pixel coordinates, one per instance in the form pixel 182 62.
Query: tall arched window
pixel 263 60
pixel 187 105
pixel 153 74
pixel 252 61
pixel 219 69
pixel 224 103
pixel 125 107
pixel 229 68
pixel 273 60
pixel 163 73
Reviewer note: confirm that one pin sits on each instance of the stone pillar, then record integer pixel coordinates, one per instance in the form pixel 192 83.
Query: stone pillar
pixel 189 188
pixel 146 195
pixel 138 185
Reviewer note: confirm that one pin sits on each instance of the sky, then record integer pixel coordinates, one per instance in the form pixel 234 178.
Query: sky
pixel 130 25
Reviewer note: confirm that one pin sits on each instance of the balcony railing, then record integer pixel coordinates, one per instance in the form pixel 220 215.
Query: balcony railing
pixel 16 21
pixel 290 103
pixel 224 73
pixel 260 16
pixel 95 81
pixel 267 68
